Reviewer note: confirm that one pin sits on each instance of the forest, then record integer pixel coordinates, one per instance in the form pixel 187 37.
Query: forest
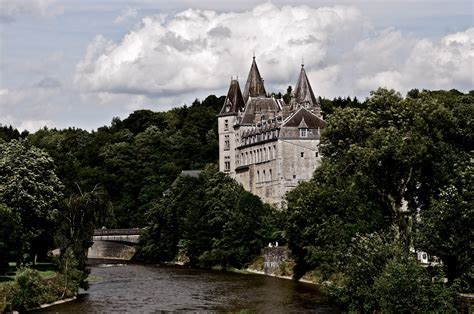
pixel 396 174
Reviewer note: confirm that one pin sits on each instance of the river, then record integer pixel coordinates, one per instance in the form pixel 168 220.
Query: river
pixel 138 288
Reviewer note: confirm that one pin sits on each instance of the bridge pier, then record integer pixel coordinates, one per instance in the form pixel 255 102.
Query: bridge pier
pixel 114 244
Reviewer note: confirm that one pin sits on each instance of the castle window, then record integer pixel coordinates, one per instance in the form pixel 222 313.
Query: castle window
pixel 227 163
pixel 302 154
pixel 274 151
pixel 317 154
pixel 263 175
pixel 227 143
pixel 303 132
pixel 226 125
pixel 270 174
pixel 258 176
pixel 294 176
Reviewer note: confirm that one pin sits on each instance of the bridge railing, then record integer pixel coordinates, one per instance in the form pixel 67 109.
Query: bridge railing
pixel 102 232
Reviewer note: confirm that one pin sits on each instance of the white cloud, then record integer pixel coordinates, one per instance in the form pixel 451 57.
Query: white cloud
pixel 127 13
pixel 433 64
pixel 11 9
pixel 196 51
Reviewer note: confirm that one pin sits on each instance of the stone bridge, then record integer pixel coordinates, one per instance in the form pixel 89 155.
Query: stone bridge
pixel 114 244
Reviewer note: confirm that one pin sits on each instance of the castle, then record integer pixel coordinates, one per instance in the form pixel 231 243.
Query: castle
pixel 267 145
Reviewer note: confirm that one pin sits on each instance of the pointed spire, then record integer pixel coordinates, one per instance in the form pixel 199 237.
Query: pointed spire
pixel 234 101
pixel 254 86
pixel 303 93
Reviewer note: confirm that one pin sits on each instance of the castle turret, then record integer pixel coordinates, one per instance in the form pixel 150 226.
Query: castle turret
pixel 228 137
pixel 303 95
pixel 254 86
pixel 234 101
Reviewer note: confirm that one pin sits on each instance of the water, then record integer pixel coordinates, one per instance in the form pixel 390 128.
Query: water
pixel 138 288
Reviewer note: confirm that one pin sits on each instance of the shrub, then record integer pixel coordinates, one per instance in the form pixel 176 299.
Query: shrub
pixel 405 285
pixel 28 290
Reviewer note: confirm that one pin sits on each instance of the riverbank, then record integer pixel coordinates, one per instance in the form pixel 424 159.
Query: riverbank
pixel 46 305
pixel 25 289
pixel 258 272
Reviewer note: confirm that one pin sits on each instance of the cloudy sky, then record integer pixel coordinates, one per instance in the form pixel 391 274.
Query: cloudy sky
pixel 82 62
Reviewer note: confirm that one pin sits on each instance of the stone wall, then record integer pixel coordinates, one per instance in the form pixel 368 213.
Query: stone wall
pixel 111 250
pixel 274 257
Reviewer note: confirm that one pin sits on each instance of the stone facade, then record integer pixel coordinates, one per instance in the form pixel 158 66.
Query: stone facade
pixel 265 144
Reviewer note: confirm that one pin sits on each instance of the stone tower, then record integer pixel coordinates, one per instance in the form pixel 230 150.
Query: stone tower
pixel 226 119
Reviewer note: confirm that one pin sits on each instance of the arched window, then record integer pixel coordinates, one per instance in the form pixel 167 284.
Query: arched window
pixel 258 176
pixel 270 175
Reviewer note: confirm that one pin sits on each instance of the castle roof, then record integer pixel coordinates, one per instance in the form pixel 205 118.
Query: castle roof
pixel 303 93
pixel 233 102
pixel 304 117
pixel 254 86
pixel 264 108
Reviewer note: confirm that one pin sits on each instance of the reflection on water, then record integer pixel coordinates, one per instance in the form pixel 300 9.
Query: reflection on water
pixel 137 288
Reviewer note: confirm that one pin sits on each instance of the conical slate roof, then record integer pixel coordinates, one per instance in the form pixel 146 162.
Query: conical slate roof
pixel 303 92
pixel 234 101
pixel 254 86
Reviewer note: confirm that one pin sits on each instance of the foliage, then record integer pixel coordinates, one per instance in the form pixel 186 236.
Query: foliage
pixel 9 233
pixel 28 290
pixel 135 159
pixel 364 261
pixel 379 276
pixel 386 164
pixel 329 207
pixel 404 285
pixel 82 213
pixel 31 189
pixel 210 219
pixel 445 229
pixel 9 133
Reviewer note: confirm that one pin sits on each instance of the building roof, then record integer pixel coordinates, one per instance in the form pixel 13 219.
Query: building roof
pixel 258 108
pixel 184 173
pixel 254 86
pixel 303 93
pixel 302 114
pixel 234 101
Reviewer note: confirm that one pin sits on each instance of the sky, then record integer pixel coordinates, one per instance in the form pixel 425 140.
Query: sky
pixel 82 62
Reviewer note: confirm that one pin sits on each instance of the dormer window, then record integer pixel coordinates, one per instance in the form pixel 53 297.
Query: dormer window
pixel 303 132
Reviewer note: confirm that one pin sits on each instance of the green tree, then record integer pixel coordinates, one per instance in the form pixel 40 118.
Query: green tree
pixel 9 235
pixel 31 189
pixel 385 162
pixel 445 229
pixel 405 285
pixel 81 214
pixel 211 220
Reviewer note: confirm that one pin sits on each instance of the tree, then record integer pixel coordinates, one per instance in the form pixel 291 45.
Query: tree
pixel 386 163
pixel 9 235
pixel 210 220
pixel 445 229
pixel 31 189
pixel 81 214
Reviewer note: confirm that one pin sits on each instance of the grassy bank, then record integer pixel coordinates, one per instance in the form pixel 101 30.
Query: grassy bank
pixel 45 270
pixel 27 288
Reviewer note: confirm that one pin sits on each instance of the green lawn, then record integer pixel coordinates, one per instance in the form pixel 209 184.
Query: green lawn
pixel 46 270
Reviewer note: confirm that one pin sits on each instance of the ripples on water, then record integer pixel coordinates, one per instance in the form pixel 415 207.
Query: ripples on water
pixel 137 288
